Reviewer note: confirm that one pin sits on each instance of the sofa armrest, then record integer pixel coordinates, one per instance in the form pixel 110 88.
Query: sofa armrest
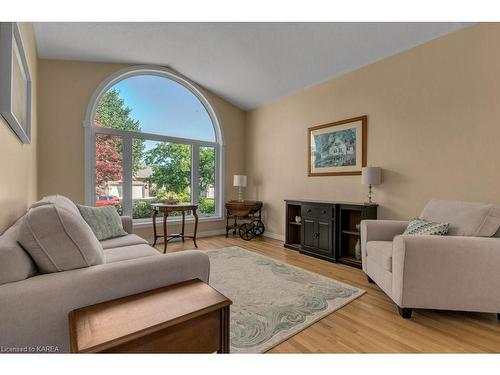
pixel 446 272
pixel 379 230
pixel 128 224
pixel 35 311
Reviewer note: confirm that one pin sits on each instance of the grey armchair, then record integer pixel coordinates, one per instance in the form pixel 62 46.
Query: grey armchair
pixel 460 271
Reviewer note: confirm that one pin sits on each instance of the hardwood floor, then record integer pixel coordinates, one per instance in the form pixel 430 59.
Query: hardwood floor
pixel 369 324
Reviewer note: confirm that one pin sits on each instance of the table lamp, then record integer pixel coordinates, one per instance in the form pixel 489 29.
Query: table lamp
pixel 240 181
pixel 370 176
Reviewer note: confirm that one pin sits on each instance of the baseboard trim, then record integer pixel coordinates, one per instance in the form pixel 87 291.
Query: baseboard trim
pixel 208 233
pixel 274 236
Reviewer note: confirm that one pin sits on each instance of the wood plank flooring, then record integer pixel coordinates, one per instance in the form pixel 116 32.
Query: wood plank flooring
pixel 369 324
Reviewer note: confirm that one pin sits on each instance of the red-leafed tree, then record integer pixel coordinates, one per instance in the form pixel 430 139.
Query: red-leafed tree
pixel 108 163
pixel 111 112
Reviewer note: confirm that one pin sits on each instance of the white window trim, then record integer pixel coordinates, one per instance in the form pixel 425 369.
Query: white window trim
pixel 91 131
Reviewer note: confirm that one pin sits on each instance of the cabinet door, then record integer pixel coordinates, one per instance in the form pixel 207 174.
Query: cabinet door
pixel 324 237
pixel 309 233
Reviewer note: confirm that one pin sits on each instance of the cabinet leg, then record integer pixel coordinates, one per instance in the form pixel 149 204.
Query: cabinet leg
pixel 370 280
pixel 405 312
pixel 498 316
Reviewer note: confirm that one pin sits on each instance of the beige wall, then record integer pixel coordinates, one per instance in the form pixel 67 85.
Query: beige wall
pixel 67 89
pixel 433 126
pixel 18 166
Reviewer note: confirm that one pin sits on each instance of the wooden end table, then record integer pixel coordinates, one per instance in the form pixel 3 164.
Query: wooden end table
pixel 166 209
pixel 189 317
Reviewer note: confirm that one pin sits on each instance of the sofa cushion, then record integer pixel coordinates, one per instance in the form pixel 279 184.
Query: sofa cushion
pixel 380 252
pixel 118 254
pixel 104 221
pixel 58 239
pixel 15 263
pixel 59 200
pixel 128 240
pixel 465 218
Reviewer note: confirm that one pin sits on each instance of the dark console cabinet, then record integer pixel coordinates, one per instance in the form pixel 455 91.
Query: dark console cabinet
pixel 317 234
pixel 326 230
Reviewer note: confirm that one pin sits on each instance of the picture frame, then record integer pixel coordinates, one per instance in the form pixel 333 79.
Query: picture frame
pixel 337 148
pixel 15 82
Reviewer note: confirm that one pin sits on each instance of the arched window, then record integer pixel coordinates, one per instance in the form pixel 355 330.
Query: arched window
pixel 151 135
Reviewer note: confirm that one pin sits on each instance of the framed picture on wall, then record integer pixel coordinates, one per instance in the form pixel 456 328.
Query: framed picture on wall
pixel 338 148
pixel 15 82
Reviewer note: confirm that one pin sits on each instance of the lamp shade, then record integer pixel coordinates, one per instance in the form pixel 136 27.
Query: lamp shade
pixel 370 176
pixel 239 180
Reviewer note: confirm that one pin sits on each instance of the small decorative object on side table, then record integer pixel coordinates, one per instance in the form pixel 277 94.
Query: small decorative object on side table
pixel 155 322
pixel 166 209
pixel 249 211
pixel 357 248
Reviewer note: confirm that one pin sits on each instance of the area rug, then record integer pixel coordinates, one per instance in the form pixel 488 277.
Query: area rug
pixel 272 301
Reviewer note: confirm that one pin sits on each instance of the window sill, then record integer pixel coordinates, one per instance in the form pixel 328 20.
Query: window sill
pixel 141 223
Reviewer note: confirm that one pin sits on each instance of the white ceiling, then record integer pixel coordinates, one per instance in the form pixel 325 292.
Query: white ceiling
pixel 248 64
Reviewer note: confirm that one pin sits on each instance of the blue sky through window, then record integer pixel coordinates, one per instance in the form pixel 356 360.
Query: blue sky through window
pixel 165 107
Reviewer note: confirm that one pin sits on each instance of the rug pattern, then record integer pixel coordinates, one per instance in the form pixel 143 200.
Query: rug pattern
pixel 271 300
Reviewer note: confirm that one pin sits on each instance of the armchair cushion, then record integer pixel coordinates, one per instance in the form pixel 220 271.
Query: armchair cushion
pixel 380 252
pixel 58 239
pixel 465 218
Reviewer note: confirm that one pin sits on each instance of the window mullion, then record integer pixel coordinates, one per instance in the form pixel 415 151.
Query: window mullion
pixel 127 175
pixel 90 163
pixel 219 182
pixel 195 174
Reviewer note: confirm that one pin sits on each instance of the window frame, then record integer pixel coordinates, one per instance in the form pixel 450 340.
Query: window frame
pixel 91 131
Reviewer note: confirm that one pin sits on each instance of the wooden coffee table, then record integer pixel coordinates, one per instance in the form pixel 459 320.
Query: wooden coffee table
pixel 189 317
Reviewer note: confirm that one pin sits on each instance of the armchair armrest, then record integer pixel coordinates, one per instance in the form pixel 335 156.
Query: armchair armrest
pixel 35 311
pixel 128 224
pixel 446 272
pixel 379 230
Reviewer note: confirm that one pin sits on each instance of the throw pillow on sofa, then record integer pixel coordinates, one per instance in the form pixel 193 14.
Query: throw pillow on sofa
pixel 423 227
pixel 58 239
pixel 104 221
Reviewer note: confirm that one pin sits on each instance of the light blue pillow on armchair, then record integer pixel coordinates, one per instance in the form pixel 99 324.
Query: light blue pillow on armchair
pixel 104 221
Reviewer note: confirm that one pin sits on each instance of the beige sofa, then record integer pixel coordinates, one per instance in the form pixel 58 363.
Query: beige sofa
pixel 460 271
pixel 34 307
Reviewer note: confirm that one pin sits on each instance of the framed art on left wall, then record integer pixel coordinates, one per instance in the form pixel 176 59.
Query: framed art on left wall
pixel 15 82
